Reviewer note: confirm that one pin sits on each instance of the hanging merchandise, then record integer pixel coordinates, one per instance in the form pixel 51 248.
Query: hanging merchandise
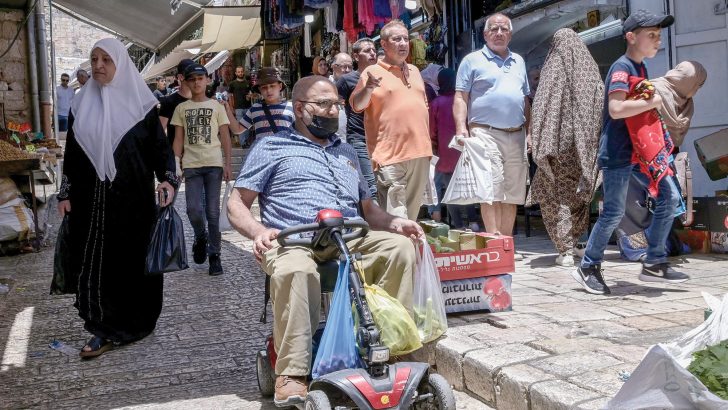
pixel 435 38
pixel 382 9
pixel 293 53
pixel 307 41
pixel 432 7
pixel 343 43
pixel 417 52
pixel 367 18
pixel 351 22
pixel 319 4
pixel 329 45
pixel 330 14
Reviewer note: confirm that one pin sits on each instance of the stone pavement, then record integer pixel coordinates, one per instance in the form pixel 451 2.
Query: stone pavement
pixel 559 348
pixel 201 355
pixel 562 348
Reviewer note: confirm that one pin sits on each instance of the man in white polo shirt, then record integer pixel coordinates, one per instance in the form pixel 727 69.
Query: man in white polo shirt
pixel 491 101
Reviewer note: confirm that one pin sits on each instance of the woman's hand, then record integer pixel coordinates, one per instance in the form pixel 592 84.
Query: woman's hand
pixel 64 207
pixel 165 200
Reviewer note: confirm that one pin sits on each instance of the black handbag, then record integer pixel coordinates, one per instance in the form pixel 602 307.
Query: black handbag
pixel 64 281
pixel 167 251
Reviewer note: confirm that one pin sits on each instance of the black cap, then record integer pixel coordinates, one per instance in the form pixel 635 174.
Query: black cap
pixel 195 69
pixel 182 65
pixel 644 18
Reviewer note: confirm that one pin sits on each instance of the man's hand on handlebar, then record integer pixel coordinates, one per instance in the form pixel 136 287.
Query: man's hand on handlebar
pixel 406 227
pixel 263 242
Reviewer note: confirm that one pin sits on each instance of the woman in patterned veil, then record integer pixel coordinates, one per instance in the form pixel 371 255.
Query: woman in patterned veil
pixel 565 125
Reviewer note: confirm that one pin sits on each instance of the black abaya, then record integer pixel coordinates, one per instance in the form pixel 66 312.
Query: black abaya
pixel 110 229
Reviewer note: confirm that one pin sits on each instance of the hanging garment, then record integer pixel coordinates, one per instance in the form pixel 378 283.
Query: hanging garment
pixel 330 15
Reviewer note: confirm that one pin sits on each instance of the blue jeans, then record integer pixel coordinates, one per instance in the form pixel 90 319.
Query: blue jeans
pixel 239 113
pixel 202 191
pixel 62 123
pixel 365 164
pixel 454 212
pixel 616 183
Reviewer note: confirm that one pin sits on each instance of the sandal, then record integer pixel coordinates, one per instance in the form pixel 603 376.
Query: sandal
pixel 98 347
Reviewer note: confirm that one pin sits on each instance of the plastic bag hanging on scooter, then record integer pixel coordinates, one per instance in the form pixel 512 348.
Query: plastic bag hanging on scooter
pixel 428 303
pixel 337 349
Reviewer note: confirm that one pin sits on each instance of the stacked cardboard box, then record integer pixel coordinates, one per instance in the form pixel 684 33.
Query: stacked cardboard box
pixel 474 268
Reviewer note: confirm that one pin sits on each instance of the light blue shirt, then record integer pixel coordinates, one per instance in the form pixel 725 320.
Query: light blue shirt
pixel 497 88
pixel 296 178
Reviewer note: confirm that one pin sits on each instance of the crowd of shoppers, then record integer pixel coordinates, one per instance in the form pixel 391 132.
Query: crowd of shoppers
pixel 375 170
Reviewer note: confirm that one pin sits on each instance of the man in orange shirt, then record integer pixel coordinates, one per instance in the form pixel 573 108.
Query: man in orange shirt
pixel 392 96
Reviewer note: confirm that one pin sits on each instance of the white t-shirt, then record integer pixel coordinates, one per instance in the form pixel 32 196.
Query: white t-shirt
pixel 64 96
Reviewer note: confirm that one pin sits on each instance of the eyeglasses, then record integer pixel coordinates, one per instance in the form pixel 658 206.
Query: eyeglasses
pixel 344 66
pixel 326 104
pixel 495 29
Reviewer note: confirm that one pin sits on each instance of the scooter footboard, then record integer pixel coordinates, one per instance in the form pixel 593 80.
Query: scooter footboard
pixel 395 390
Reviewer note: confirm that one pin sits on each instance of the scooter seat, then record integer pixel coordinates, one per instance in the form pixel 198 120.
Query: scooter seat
pixel 328 272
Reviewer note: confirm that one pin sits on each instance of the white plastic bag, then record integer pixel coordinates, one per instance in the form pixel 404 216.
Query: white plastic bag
pixel 429 196
pixel 661 380
pixel 428 303
pixel 471 181
pixel 224 222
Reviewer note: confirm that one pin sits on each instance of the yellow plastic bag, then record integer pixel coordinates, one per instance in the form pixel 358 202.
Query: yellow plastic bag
pixel 396 328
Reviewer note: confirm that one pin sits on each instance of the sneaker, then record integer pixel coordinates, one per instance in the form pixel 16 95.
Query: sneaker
pixel 565 259
pixel 662 272
pixel 290 390
pixel 518 256
pixel 591 279
pixel 215 265
pixel 199 250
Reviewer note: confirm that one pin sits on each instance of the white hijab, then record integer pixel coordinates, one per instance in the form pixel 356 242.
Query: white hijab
pixel 103 114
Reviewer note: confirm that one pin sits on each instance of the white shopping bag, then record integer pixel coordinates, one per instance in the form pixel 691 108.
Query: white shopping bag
pixel 661 380
pixel 429 196
pixel 224 222
pixel 471 182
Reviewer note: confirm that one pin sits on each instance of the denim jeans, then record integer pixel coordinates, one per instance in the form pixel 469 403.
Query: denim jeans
pixel 360 146
pixel 616 183
pixel 62 123
pixel 239 113
pixel 202 191
pixel 455 212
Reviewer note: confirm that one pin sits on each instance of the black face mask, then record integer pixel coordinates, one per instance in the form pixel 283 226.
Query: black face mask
pixel 323 127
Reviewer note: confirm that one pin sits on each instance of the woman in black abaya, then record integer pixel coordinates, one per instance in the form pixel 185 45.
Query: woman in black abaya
pixel 115 147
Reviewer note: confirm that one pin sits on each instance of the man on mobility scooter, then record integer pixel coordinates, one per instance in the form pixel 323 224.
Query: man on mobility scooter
pixel 295 174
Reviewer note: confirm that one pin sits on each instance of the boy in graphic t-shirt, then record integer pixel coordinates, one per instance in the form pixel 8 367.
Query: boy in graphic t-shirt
pixel 197 151
pixel 279 115
pixel 642 33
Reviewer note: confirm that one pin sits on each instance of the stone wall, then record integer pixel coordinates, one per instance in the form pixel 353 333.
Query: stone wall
pixel 14 88
pixel 72 40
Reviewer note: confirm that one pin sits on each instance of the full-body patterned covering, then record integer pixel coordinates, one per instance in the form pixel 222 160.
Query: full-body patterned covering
pixel 565 124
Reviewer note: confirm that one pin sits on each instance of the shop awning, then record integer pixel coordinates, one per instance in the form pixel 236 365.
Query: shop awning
pixel 217 61
pixel 230 28
pixel 147 23
pixel 188 49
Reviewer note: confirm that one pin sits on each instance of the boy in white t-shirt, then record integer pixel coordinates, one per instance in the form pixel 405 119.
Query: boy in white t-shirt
pixel 197 151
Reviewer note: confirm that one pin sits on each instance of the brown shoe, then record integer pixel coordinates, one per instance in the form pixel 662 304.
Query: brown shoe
pixel 290 390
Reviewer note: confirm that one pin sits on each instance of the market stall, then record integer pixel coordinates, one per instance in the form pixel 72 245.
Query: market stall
pixel 26 160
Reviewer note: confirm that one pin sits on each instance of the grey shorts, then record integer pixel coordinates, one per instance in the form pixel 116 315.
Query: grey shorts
pixel 509 163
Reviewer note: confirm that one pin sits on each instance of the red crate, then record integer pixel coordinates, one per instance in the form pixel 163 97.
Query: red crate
pixel 495 259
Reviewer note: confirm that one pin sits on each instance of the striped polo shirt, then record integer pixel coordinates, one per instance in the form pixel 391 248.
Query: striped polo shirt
pixel 282 114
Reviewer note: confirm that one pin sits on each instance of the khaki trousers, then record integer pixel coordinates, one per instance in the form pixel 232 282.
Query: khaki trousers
pixel 388 260
pixel 400 186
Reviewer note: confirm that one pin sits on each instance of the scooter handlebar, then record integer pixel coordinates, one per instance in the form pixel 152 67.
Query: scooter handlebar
pixel 284 240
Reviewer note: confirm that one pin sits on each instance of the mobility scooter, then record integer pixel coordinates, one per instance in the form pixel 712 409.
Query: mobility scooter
pixel 379 385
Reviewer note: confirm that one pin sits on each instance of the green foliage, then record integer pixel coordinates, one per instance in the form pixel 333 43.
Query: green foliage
pixel 710 366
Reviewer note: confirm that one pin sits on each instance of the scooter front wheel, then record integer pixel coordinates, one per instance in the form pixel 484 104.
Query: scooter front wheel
pixel 264 373
pixel 442 398
pixel 317 400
